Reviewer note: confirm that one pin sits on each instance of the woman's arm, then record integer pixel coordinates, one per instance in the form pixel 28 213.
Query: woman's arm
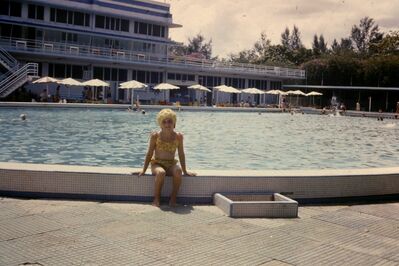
pixel 150 152
pixel 182 156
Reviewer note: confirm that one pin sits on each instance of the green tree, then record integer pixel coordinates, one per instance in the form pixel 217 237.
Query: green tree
pixel 381 71
pixel 290 52
pixel 286 39
pixel 295 39
pixel 335 47
pixel 389 45
pixel 319 46
pixel 262 52
pixel 291 41
pixel 197 44
pixel 245 56
pixel 365 35
pixel 322 45
pixel 315 45
pixel 345 46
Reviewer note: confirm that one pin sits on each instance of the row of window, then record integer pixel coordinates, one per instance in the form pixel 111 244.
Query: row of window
pixel 65 71
pixel 10 8
pixel 113 74
pixel 148 76
pixel 149 29
pixel 209 81
pixel 36 12
pixel 70 17
pixel 235 82
pixel 256 83
pixel 69 37
pixel 275 85
pixel 181 77
pixel 110 23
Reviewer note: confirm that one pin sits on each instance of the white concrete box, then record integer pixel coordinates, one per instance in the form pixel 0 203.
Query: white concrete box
pixel 271 205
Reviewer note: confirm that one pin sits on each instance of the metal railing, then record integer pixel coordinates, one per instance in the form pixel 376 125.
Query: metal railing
pixel 7 60
pixel 18 78
pixel 144 58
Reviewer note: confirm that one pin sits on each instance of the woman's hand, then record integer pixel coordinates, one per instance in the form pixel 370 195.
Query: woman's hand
pixel 141 173
pixel 190 173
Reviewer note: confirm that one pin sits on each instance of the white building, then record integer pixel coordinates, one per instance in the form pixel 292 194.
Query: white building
pixel 116 41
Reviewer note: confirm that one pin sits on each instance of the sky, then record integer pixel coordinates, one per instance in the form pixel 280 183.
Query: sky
pixel 235 25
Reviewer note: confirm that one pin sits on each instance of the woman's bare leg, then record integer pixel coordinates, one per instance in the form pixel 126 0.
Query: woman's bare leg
pixel 159 173
pixel 176 173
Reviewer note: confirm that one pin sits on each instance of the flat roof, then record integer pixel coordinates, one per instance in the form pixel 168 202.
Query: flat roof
pixel 326 87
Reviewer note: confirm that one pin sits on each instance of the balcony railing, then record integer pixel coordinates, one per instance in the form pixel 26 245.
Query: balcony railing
pixel 134 57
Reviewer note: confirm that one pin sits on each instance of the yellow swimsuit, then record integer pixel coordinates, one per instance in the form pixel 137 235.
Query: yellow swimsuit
pixel 169 146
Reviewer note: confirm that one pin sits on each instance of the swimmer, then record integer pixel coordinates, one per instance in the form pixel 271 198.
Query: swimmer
pixel 23 117
pixel 143 112
pixel 390 125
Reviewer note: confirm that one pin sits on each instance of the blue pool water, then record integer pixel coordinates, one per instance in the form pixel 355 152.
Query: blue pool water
pixel 213 140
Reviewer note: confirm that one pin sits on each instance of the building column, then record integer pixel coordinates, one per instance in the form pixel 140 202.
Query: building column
pixel 128 95
pixel 24 11
pixel 45 69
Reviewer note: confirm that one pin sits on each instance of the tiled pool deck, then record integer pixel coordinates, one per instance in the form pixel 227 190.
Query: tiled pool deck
pixel 56 232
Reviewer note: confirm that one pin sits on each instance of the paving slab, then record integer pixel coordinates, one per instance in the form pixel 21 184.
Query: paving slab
pixel 61 232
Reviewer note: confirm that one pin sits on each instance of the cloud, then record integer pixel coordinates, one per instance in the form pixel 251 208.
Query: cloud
pixel 235 25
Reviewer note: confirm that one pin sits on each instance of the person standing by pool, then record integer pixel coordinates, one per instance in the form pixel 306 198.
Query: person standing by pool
pixel 43 96
pixel 161 155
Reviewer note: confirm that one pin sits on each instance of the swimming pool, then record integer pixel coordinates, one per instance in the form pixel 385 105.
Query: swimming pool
pixel 213 140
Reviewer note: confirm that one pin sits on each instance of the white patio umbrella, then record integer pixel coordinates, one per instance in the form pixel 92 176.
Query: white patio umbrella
pixel 70 82
pixel 276 92
pixel 314 93
pixel 133 85
pixel 96 83
pixel 199 87
pixel 165 87
pixel 226 89
pixel 253 91
pixel 46 80
pixel 297 93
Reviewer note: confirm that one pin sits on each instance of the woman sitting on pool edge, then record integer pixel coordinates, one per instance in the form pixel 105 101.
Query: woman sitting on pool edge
pixel 161 155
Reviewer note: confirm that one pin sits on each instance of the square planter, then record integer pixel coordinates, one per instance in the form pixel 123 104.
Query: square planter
pixel 272 205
